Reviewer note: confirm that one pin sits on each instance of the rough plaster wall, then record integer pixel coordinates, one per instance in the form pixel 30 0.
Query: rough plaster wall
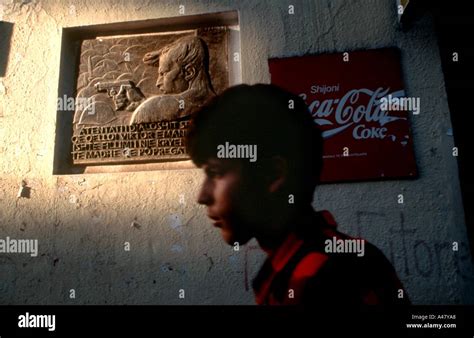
pixel 82 221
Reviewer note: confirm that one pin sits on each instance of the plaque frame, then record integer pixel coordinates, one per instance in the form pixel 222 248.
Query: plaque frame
pixel 69 68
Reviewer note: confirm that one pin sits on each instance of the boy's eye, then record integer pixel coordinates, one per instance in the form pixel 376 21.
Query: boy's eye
pixel 214 173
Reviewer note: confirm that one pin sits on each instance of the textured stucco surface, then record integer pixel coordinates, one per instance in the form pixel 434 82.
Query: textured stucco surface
pixel 82 221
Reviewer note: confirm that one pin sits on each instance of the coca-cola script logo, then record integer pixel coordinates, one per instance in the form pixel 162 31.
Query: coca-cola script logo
pixel 340 114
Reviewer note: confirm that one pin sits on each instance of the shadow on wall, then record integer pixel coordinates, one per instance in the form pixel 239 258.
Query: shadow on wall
pixel 6 30
pixel 412 255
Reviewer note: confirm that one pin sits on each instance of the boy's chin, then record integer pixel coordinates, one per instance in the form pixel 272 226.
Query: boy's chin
pixel 232 239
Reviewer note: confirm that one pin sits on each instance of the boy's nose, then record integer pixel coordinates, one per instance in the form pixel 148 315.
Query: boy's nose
pixel 205 196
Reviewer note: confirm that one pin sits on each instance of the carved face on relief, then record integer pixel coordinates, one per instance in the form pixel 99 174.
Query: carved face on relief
pixel 171 76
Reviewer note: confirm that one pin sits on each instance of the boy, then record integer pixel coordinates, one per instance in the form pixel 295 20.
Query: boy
pixel 262 156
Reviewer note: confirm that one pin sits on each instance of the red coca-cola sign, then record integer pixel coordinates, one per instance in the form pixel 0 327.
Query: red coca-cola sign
pixel 358 100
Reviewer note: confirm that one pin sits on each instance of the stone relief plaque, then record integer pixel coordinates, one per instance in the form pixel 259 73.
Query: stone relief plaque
pixel 135 94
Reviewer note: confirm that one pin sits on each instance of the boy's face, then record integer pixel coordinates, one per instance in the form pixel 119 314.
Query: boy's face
pixel 232 203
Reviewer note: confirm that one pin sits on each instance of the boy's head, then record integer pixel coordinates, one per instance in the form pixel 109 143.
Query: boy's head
pixel 262 155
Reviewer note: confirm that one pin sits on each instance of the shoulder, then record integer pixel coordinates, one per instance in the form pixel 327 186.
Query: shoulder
pixel 349 277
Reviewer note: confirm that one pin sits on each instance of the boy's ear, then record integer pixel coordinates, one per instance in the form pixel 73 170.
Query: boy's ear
pixel 277 173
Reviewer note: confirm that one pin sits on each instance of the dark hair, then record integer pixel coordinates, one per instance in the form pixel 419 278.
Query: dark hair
pixel 275 120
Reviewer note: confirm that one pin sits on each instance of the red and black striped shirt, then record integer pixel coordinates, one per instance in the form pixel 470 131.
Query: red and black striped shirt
pixel 301 272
